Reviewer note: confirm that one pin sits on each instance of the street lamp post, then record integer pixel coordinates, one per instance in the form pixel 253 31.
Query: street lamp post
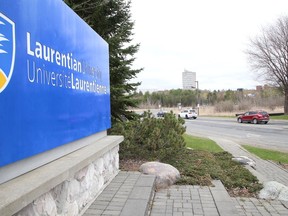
pixel 197 85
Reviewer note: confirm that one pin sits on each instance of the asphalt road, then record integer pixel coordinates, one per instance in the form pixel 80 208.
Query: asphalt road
pixel 273 135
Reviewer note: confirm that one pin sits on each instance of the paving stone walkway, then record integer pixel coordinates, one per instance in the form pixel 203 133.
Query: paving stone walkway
pixel 132 194
pixel 129 193
pixel 193 200
pixel 260 207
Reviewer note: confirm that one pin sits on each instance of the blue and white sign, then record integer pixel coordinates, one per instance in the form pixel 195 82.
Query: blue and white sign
pixel 7 42
pixel 54 78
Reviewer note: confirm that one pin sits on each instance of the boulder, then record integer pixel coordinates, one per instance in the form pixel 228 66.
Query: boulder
pixel 245 161
pixel 166 174
pixel 274 190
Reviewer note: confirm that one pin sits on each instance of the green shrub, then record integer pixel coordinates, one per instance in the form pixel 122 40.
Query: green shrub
pixel 149 137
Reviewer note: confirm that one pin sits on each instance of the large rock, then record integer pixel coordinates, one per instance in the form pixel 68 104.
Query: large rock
pixel 166 174
pixel 245 161
pixel 274 190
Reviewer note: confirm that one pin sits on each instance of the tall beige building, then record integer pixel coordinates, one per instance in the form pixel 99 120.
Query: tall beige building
pixel 188 79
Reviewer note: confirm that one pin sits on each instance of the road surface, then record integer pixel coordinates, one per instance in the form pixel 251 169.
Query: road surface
pixel 273 135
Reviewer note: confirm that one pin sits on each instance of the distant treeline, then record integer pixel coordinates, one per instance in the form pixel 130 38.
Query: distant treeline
pixel 269 97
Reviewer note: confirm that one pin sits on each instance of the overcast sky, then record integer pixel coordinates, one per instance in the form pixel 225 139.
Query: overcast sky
pixel 208 37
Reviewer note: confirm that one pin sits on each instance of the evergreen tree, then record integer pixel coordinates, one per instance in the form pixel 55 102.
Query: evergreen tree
pixel 111 19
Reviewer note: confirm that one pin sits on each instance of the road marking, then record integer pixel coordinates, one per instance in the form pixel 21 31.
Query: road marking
pixel 249 135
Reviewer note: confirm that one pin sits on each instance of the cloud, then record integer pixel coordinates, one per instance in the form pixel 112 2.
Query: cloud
pixel 208 37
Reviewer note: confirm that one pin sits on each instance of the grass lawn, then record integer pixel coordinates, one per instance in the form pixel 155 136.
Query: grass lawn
pixel 282 117
pixel 199 143
pixel 268 154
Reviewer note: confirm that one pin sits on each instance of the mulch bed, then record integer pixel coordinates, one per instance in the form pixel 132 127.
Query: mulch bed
pixel 134 165
pixel 130 164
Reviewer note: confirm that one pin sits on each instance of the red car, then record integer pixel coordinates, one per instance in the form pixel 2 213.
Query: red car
pixel 254 117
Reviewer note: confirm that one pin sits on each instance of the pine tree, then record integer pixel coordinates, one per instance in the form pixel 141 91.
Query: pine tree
pixel 111 19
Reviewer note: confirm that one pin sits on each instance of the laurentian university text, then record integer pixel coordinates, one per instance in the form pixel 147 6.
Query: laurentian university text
pixel 70 69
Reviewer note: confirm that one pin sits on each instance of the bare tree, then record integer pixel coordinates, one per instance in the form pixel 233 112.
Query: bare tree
pixel 268 56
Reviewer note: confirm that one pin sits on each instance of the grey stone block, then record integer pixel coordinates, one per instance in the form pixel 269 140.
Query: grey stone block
pixel 141 193
pixel 135 208
pixel 146 181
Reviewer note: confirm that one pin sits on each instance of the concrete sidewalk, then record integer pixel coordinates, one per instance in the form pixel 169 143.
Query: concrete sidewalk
pixel 132 194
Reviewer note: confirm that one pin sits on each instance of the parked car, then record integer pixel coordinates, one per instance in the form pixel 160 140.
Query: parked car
pixel 161 113
pixel 254 117
pixel 188 114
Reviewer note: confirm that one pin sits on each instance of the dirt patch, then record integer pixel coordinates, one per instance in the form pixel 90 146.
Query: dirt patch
pixel 130 164
pixel 240 192
pixel 284 166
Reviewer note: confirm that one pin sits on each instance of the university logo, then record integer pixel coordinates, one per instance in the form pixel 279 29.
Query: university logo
pixel 7 50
